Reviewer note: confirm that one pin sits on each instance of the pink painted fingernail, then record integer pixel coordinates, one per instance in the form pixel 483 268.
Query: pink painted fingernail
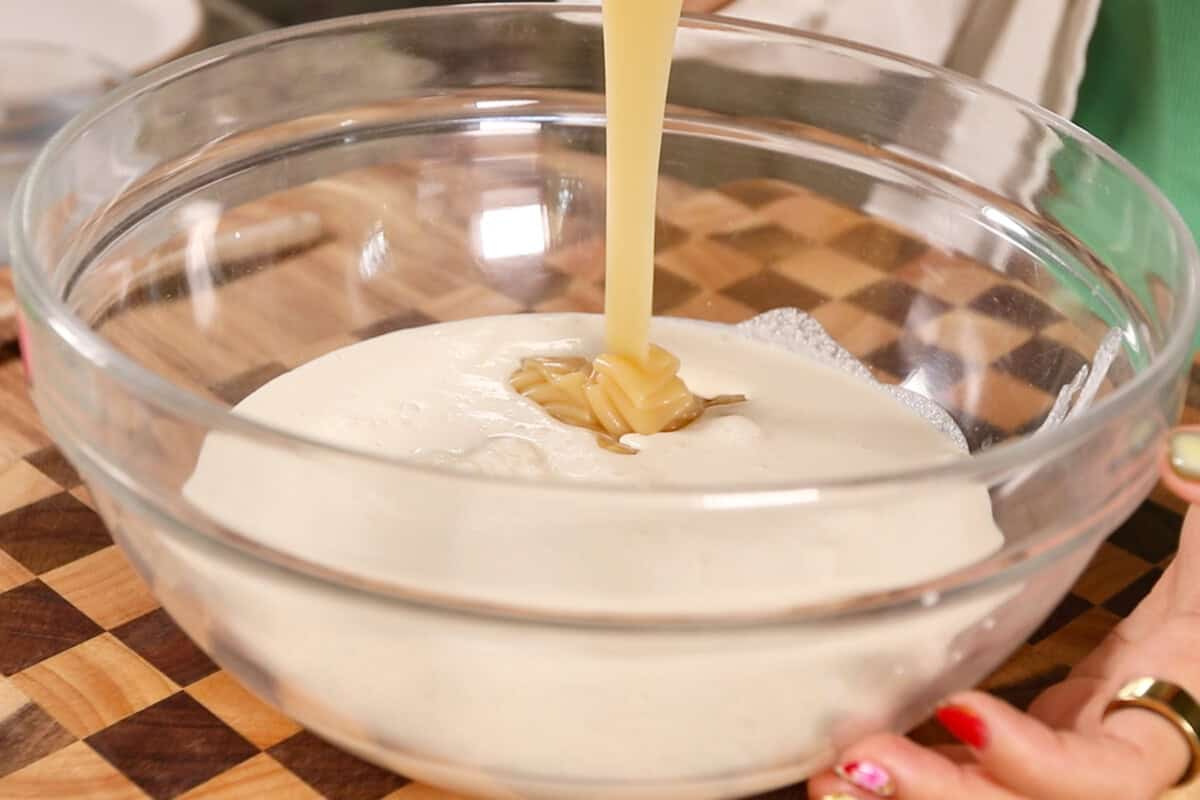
pixel 868 776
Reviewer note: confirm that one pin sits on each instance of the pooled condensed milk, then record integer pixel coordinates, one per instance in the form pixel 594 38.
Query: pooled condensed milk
pixel 634 386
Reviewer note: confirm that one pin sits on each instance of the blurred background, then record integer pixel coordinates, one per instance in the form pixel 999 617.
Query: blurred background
pixel 49 70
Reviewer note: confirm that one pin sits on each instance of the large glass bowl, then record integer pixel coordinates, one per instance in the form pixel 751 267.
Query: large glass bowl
pixel 245 210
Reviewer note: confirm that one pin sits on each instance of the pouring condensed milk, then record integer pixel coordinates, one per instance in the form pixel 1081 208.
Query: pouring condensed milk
pixel 634 386
pixel 675 404
pixel 530 395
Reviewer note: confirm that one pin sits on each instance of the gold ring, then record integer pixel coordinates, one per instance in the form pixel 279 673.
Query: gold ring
pixel 1173 704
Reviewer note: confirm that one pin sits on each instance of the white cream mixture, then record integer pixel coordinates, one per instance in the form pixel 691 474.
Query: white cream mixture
pixel 708 714
pixel 440 395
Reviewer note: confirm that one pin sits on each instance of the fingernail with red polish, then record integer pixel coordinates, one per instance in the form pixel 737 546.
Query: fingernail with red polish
pixel 868 776
pixel 964 725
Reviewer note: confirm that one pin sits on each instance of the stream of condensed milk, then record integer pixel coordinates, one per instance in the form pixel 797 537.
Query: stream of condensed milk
pixel 639 42
pixel 634 387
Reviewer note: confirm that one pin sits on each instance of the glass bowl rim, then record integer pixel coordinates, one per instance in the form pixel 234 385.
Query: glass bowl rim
pixel 36 296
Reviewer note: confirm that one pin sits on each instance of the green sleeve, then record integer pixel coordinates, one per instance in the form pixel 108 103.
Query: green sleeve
pixel 1141 93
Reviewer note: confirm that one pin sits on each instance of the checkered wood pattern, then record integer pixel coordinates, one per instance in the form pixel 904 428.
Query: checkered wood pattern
pixel 102 696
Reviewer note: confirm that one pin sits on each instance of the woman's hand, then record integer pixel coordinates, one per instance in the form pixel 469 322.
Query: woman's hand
pixel 1064 748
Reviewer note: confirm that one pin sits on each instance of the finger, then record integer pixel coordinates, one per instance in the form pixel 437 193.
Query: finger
pixel 1061 705
pixel 1130 757
pixel 1161 748
pixel 892 766
pixel 1176 591
pixel 1183 576
pixel 1179 589
pixel 1148 615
